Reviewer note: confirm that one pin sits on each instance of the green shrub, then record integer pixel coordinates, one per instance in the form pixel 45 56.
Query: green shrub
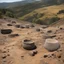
pixel 53 19
pixel 9 14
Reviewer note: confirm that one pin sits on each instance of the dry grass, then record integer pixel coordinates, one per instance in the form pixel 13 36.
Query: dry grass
pixel 49 12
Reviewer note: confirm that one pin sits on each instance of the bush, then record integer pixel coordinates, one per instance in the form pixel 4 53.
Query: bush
pixel 9 14
pixel 53 19
pixel 38 21
pixel 60 12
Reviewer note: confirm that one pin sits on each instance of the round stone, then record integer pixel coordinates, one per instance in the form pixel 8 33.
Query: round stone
pixel 51 44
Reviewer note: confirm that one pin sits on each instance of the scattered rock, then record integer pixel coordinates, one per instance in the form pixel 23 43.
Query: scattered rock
pixel 17 26
pixel 61 28
pixel 22 26
pixel 3 51
pixel 6 31
pixel 51 44
pixel 22 56
pixel 32 25
pixel 45 56
pixel 44 26
pixel 9 24
pixel 49 36
pixel 4 56
pixel 33 53
pixel 8 54
pixel 13 35
pixel 49 31
pixel 27 26
pixel 14 22
pixel 28 44
pixel 58 55
pixel 38 29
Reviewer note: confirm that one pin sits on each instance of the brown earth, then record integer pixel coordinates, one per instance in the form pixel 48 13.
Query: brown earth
pixel 12 52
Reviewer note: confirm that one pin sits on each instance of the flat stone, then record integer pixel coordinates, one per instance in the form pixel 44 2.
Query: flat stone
pixel 6 31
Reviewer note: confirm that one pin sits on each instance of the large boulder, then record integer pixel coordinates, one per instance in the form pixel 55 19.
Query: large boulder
pixel 51 44
pixel 6 31
pixel 28 44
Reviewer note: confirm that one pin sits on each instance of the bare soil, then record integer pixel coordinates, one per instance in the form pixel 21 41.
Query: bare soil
pixel 12 51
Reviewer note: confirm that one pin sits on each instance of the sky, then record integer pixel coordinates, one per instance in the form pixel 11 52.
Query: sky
pixel 9 0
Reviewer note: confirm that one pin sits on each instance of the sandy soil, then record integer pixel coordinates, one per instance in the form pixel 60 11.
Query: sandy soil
pixel 12 52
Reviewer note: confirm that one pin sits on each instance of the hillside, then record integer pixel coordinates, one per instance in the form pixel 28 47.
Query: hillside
pixel 39 13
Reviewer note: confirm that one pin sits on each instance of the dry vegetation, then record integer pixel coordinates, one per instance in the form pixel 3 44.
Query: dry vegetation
pixel 45 15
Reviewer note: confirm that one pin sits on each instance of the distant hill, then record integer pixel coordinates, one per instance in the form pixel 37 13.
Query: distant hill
pixel 40 13
pixel 15 4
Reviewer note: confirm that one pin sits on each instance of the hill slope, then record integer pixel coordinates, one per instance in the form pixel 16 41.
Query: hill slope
pixel 39 13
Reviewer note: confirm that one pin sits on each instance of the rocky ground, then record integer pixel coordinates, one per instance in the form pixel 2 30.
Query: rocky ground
pixel 13 52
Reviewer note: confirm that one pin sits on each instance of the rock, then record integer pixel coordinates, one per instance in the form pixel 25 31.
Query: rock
pixel 27 26
pixel 17 26
pixel 4 56
pixel 61 28
pixel 51 44
pixel 28 44
pixel 6 31
pixel 14 22
pixel 3 51
pixel 32 25
pixel 49 31
pixel 44 26
pixel 49 36
pixel 58 55
pixel 33 53
pixel 22 26
pixel 22 56
pixel 9 24
pixel 13 35
pixel 38 29
pixel 8 54
pixel 45 56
